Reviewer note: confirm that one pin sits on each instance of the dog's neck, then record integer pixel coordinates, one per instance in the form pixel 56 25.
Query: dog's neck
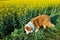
pixel 30 24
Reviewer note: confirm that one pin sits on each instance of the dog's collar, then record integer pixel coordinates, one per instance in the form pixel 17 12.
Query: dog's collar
pixel 30 24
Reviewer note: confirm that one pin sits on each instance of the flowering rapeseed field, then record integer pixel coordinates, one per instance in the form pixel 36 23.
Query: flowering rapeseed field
pixel 14 14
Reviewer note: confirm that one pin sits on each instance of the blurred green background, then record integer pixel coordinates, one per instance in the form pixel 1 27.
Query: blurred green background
pixel 14 16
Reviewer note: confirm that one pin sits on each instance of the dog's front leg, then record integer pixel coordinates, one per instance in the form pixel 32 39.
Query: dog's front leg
pixel 44 26
pixel 37 29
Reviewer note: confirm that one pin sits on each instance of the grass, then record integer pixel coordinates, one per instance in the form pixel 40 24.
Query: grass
pixel 14 17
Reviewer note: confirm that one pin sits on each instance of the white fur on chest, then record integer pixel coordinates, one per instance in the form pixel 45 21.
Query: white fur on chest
pixel 31 25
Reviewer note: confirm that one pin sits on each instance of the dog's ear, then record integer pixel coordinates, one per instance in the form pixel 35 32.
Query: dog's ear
pixel 28 28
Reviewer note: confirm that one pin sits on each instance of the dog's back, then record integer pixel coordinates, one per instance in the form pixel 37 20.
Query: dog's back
pixel 43 20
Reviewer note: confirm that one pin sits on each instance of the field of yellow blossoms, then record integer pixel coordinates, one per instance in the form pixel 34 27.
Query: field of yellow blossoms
pixel 14 14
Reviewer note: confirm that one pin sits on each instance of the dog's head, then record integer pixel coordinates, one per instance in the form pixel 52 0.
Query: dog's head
pixel 28 29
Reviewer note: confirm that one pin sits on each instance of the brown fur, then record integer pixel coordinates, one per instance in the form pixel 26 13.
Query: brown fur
pixel 41 20
pixel 28 28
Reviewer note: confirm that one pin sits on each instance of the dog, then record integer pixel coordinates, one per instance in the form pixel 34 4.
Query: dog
pixel 35 23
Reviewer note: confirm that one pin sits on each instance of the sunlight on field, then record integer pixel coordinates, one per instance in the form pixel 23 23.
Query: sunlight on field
pixel 31 3
pixel 14 14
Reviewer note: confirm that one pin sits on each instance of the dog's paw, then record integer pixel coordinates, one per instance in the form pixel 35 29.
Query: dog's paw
pixel 53 25
pixel 36 30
